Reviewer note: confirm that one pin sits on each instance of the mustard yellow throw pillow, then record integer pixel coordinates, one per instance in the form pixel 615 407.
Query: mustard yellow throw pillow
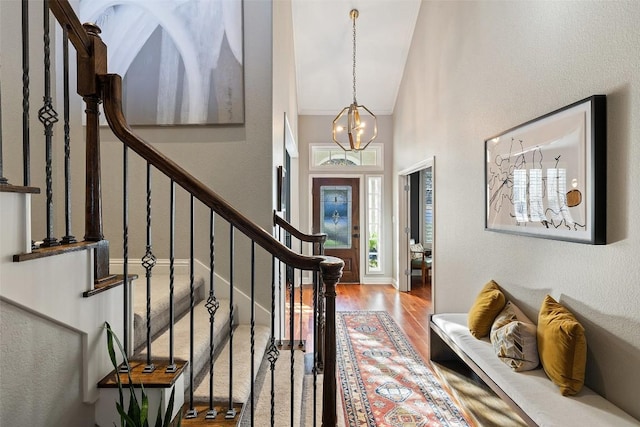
pixel 489 302
pixel 562 346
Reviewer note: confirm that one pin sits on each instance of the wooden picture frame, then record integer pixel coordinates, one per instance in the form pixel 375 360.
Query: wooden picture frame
pixel 547 177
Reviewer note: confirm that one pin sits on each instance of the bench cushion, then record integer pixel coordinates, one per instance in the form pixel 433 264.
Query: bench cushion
pixel 532 390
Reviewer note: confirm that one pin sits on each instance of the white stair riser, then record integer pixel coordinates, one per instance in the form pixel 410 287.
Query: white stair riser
pixel 107 414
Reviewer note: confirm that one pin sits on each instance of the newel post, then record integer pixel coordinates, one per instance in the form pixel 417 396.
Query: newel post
pixel 88 87
pixel 331 270
pixel 89 70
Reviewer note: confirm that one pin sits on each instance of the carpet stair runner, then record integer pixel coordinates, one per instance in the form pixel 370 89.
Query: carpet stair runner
pixel 200 364
pixel 307 403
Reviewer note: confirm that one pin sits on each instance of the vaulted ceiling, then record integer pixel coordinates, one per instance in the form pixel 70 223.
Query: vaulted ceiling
pixel 323 40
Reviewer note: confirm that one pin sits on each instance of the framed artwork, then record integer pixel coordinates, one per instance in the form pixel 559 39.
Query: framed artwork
pixel 181 61
pixel 547 178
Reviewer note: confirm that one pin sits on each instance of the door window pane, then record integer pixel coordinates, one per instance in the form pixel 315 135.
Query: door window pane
pixel 335 208
pixel 374 216
pixel 428 206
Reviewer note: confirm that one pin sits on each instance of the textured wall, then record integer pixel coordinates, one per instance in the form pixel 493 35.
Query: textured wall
pixel 478 68
pixel 50 356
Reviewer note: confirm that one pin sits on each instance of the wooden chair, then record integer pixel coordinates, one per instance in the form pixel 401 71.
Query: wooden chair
pixel 421 260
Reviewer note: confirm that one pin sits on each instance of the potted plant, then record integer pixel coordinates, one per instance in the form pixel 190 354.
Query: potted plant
pixel 137 413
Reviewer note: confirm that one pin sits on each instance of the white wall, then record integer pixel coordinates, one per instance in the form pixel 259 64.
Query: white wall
pixel 478 68
pixel 48 346
pixel 51 356
pixel 285 100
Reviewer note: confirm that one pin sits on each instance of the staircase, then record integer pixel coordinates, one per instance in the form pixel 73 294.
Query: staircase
pixel 202 324
pixel 235 397
pixel 228 395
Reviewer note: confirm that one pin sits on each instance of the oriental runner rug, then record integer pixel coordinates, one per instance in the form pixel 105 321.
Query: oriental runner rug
pixel 384 381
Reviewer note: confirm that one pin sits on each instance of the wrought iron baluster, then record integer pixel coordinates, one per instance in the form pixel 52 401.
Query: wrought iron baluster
pixel 172 239
pixel 212 307
pixel 315 348
pixel 253 329
pixel 320 313
pixel 292 304
pixel 125 249
pixel 191 413
pixel 68 237
pixel 148 262
pixel 281 297
pixel 26 144
pixel 301 343
pixel 48 117
pixel 292 317
pixel 272 351
pixel 231 411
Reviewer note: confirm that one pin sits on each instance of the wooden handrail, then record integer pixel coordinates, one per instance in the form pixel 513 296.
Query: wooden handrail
pixel 112 92
pixel 68 19
pixel 317 241
pixel 94 84
pixel 314 238
pixel 330 268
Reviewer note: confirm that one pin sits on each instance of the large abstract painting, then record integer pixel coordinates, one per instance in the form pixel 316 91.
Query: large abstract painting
pixel 181 61
pixel 547 177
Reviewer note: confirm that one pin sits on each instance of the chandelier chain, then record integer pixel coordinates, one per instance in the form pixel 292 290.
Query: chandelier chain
pixel 354 58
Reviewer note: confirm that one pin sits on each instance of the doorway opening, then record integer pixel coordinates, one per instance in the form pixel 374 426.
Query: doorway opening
pixel 417 214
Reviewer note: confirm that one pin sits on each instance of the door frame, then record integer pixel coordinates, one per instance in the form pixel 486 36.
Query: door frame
pixel 404 258
pixel 364 227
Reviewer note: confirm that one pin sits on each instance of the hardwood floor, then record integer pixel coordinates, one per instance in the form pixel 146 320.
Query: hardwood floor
pixel 410 310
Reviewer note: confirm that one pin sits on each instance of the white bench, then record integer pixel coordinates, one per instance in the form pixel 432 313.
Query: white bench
pixel 531 394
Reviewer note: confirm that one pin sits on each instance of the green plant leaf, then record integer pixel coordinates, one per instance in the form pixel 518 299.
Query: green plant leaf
pixel 128 421
pixel 110 349
pixel 137 413
pixel 144 410
pixel 167 415
pixel 134 410
pixel 114 362
pixel 159 417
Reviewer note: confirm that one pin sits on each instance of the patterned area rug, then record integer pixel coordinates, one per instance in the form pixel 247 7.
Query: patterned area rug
pixel 384 381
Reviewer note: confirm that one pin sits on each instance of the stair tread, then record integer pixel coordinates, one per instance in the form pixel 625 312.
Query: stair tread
pixel 160 291
pixel 241 374
pixel 160 303
pixel 282 390
pixel 160 345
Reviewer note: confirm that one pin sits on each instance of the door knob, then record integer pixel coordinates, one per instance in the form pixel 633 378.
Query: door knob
pixel 355 235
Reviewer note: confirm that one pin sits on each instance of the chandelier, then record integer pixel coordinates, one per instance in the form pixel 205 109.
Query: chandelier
pixel 355 126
